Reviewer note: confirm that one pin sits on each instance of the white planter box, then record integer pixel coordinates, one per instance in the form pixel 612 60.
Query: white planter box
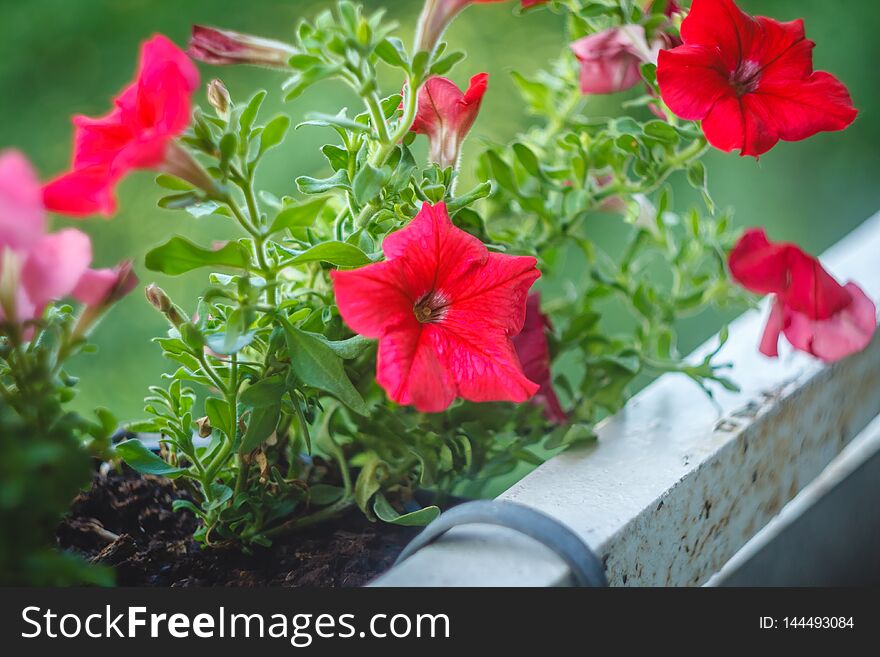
pixel 676 485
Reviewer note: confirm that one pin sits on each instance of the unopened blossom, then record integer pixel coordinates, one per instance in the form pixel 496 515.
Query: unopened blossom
pixel 35 267
pixel 438 14
pixel 816 314
pixel 138 133
pixel 750 80
pixel 446 115
pixel 215 46
pixel 444 309
pixel 534 355
pixel 611 60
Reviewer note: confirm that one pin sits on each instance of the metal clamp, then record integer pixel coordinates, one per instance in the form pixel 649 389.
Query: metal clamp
pixel 585 566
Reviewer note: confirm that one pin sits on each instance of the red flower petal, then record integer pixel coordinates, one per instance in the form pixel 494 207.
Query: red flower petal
pixel 750 80
pixel 692 79
pixel 846 332
pixel 148 114
pixel 816 313
pixel 534 355
pixel 758 265
pixel 446 115
pixel 358 290
pixel 444 310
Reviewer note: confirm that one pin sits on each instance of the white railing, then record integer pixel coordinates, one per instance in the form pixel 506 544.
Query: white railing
pixel 676 485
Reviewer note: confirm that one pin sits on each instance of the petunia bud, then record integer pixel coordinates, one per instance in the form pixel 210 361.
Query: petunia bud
pixel 215 46
pixel 219 98
pixel 446 115
pixel 611 60
pixel 162 302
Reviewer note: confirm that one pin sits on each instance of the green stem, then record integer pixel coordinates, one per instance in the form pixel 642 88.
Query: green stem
pixel 409 115
pixel 376 117
pixel 307 521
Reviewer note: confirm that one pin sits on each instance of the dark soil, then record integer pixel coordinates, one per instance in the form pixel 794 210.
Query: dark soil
pixel 125 520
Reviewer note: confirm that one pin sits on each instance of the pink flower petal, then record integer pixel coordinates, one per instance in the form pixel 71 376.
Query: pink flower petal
pixel 22 217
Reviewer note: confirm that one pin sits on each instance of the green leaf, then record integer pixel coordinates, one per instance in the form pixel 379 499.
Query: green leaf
pixel 341 254
pixel 528 159
pixel 309 185
pixel 178 256
pixel 249 114
pixel 393 52
pixel 322 494
pixel 144 461
pixel 445 64
pixel 368 182
pixel 261 424
pixel 265 392
pixel 220 416
pixel 316 365
pixel 219 343
pixel 220 495
pixel 576 434
pixel 339 121
pixel 346 349
pixel 386 513
pixel 369 482
pixel 173 183
pixel 661 131
pixel 274 132
pixel 299 215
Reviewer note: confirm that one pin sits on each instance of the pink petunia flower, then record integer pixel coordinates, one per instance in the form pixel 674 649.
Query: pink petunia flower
pixel 138 133
pixel 750 80
pixel 35 267
pixel 444 310
pixel 446 115
pixel 534 354
pixel 611 60
pixel 816 313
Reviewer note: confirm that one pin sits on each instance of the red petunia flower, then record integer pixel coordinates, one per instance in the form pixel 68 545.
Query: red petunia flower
pixel 816 313
pixel 446 115
pixel 137 134
pixel 750 80
pixel 444 310
pixel 438 14
pixel 534 354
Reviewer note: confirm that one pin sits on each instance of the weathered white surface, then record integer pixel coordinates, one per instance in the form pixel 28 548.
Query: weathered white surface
pixel 677 484
pixel 829 534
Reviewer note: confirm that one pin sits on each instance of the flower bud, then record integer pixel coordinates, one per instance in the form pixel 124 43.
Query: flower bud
pixel 219 98
pixel 214 46
pixel 162 302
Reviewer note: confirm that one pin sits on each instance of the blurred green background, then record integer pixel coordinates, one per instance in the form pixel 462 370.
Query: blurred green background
pixel 61 57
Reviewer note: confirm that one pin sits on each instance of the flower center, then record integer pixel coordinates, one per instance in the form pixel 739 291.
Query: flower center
pixel 431 307
pixel 746 77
